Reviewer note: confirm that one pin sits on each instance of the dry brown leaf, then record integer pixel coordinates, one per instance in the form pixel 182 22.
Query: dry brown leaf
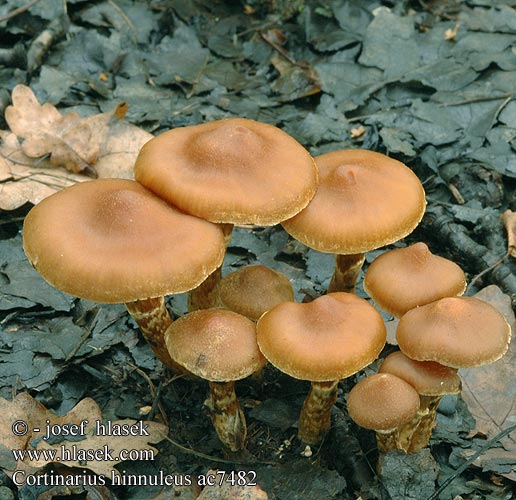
pixel 227 491
pixel 30 413
pixel 490 390
pixel 509 220
pixel 42 138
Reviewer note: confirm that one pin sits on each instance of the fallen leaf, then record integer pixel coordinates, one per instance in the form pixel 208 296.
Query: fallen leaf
pixel 225 490
pixel 42 139
pixel 490 390
pixel 26 414
pixel 509 220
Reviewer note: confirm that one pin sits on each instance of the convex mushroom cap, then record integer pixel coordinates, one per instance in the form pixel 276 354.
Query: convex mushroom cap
pixel 236 170
pixel 427 377
pixel 459 332
pixel 403 278
pixel 382 402
pixel 365 200
pixel 328 339
pixel 215 344
pixel 253 290
pixel 112 240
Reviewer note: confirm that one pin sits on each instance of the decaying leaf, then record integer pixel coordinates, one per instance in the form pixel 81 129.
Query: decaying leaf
pixel 490 390
pixel 31 421
pixel 43 139
pixel 509 219
pixel 225 490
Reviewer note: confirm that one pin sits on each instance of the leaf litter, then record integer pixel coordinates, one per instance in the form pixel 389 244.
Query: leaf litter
pixel 433 87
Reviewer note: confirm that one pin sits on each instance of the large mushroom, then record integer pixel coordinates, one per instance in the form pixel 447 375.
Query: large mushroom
pixel 113 241
pixel 232 171
pixel 365 200
pixel 220 347
pixel 322 341
pixel 401 279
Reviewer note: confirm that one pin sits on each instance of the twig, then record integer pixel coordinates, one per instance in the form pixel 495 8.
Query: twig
pixel 18 11
pixel 124 16
pixel 485 271
pixel 468 462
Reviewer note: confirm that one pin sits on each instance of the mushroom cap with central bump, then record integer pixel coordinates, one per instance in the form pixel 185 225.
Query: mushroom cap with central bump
pixel 113 241
pixel 236 170
pixel 459 332
pixel 404 278
pixel 215 344
pixel 365 200
pixel 328 339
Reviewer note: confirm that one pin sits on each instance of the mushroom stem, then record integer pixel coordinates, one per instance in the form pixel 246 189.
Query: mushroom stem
pixel 424 422
pixel 206 295
pixel 397 438
pixel 153 318
pixel 315 417
pixel 227 415
pixel 347 269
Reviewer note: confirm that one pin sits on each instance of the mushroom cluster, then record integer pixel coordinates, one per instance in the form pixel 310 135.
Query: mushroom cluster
pixel 166 232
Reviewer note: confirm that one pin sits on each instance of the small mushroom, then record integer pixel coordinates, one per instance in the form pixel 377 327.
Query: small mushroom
pixel 365 200
pixel 220 347
pixel 253 290
pixel 404 278
pixel 384 403
pixel 113 241
pixel 232 171
pixel 322 341
pixel 432 381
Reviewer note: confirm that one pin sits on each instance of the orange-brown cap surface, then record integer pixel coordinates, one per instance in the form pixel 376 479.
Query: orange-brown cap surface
pixel 459 332
pixel 112 240
pixel 382 402
pixel 365 200
pixel 427 377
pixel 401 279
pixel 215 344
pixel 330 338
pixel 237 170
pixel 253 290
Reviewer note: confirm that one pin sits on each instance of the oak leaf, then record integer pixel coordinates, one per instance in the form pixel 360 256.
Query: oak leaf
pixel 24 412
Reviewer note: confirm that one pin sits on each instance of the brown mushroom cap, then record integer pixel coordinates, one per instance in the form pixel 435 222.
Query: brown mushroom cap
pixel 382 402
pixel 236 170
pixel 215 344
pixel 253 290
pixel 112 240
pixel 460 332
pixel 365 200
pixel 427 377
pixel 401 279
pixel 330 338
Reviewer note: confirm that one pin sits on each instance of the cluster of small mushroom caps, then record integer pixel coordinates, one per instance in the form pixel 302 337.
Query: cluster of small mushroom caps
pixel 135 241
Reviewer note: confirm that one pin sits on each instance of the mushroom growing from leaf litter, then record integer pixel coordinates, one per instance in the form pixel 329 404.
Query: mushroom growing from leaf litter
pixel 432 381
pixel 113 241
pixel 232 171
pixel 401 279
pixel 220 347
pixel 365 200
pixel 322 341
pixel 384 403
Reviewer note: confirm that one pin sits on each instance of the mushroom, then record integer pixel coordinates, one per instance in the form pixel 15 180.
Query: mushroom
pixel 432 381
pixel 459 332
pixel 365 200
pixel 384 403
pixel 322 341
pixel 233 171
pixel 220 347
pixel 113 241
pixel 253 290
pixel 403 278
